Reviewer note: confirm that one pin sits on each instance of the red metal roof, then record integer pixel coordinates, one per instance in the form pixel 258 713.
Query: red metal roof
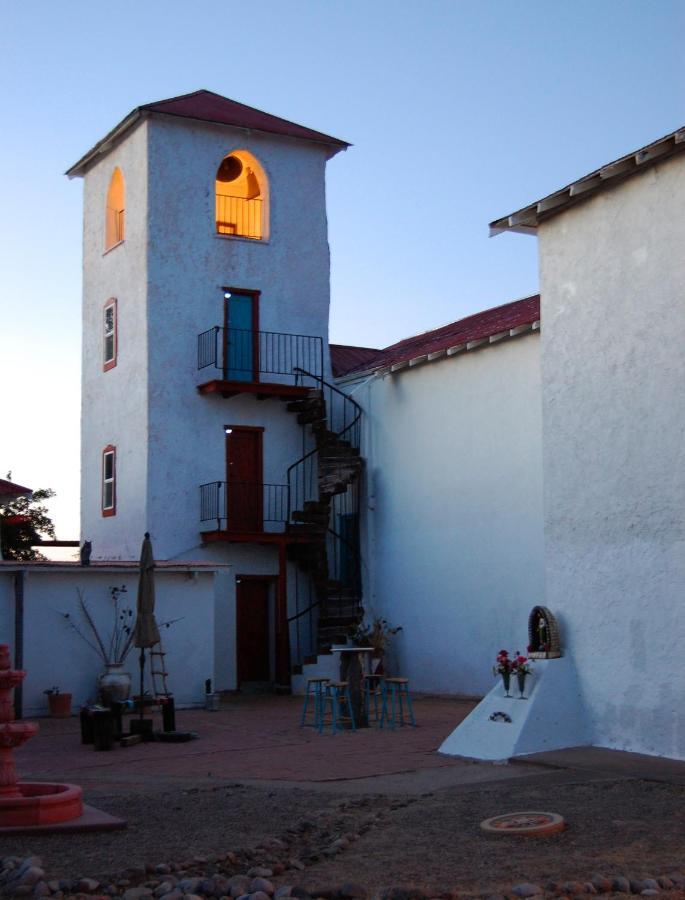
pixel 479 326
pixel 210 107
pixel 206 106
pixel 345 358
pixel 10 489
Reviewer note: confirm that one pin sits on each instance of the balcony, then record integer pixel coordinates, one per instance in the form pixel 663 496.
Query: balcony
pixel 263 363
pixel 243 511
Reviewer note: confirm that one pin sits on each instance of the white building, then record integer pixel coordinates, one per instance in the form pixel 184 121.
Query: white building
pixel 530 454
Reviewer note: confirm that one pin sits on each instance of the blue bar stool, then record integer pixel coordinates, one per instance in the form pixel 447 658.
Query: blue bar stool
pixel 336 696
pixel 373 687
pixel 316 688
pixel 398 688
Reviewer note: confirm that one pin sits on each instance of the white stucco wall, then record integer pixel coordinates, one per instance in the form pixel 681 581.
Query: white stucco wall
pixel 452 530
pixel 613 311
pixel 114 403
pixel 55 655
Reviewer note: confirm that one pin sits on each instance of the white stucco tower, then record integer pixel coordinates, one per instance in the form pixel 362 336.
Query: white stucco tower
pixel 205 291
pixel 152 287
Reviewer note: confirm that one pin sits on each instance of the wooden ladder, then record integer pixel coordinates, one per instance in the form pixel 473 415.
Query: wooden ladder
pixel 158 670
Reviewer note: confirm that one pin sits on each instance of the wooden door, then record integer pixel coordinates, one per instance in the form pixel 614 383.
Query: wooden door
pixel 252 630
pixel 244 492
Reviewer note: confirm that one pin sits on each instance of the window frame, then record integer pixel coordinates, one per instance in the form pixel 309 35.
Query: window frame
pixel 108 364
pixel 109 450
pixel 118 214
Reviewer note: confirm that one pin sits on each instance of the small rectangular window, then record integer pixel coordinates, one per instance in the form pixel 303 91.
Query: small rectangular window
pixel 109 475
pixel 109 335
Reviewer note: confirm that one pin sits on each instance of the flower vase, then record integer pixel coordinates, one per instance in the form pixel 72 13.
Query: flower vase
pixel 521 678
pixel 506 680
pixel 114 683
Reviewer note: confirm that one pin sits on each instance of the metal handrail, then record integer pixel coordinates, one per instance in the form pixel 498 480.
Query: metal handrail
pixel 269 502
pixel 251 353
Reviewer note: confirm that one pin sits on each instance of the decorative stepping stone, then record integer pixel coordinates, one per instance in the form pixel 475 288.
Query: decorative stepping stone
pixel 528 824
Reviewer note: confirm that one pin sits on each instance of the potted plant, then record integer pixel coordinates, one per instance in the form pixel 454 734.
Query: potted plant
pixel 504 666
pixel 522 668
pixel 377 634
pixel 114 682
pixel 59 703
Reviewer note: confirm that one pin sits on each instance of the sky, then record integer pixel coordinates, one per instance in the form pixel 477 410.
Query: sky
pixel 458 112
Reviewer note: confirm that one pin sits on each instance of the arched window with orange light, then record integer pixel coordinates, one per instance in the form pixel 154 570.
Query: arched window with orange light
pixel 116 210
pixel 242 197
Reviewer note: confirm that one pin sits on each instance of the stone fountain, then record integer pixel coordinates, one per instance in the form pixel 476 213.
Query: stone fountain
pixel 30 805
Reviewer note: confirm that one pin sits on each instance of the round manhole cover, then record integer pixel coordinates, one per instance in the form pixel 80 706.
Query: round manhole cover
pixel 531 824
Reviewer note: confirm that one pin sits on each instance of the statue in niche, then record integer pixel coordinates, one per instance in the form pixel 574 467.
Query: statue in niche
pixel 543 634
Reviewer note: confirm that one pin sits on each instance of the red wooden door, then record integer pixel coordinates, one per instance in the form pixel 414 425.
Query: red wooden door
pixel 244 479
pixel 252 628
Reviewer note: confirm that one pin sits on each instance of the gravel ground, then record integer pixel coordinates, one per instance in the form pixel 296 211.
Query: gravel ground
pixel 631 827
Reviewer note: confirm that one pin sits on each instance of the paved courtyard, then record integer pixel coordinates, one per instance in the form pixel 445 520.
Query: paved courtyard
pixel 377 808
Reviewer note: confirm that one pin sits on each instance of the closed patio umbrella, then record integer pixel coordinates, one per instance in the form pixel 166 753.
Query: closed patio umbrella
pixel 146 633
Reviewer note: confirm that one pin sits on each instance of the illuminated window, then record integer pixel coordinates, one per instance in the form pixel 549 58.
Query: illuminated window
pixel 242 197
pixel 115 215
pixel 109 474
pixel 109 335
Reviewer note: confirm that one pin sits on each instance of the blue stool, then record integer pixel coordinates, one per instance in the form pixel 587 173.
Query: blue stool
pixel 316 688
pixel 398 688
pixel 337 694
pixel 373 687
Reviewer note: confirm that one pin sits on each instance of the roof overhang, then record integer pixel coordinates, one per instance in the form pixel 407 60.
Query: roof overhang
pixel 527 219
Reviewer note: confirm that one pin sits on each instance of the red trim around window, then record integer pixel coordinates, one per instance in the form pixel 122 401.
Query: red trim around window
pixel 111 363
pixel 112 509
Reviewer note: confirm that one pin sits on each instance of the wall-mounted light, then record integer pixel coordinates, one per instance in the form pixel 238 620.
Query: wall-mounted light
pixel 227 295
pixel 228 430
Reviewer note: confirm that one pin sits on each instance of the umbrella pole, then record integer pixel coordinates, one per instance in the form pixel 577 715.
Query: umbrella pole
pixel 141 661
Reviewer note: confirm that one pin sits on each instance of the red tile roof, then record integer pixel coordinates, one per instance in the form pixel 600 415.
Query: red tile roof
pixel 206 106
pixel 345 358
pixel 480 326
pixel 10 489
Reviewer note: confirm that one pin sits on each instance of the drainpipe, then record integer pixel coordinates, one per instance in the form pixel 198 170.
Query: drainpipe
pixel 19 640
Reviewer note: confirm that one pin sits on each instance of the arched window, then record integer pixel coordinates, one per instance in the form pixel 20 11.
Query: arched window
pixel 242 197
pixel 114 221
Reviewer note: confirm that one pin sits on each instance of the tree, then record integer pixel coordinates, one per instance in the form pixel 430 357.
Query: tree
pixel 23 523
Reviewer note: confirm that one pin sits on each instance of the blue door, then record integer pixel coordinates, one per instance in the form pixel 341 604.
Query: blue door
pixel 240 344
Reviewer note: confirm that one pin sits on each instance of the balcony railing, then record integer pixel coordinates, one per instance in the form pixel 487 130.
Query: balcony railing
pixel 238 215
pixel 244 355
pixel 243 506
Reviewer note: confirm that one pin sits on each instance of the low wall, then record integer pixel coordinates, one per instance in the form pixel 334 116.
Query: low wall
pixel 55 655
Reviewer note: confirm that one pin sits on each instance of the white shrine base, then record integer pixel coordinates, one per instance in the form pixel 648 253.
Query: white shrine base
pixel 553 717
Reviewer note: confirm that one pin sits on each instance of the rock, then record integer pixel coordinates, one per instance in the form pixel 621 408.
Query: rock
pixel 192 897
pixel 572 888
pixel 259 872
pixel 283 891
pixel 41 890
pixel 135 893
pixel 232 858
pixel 602 884
pixel 649 884
pixel 665 883
pixel 162 869
pixel 678 879
pixel 222 886
pixel 649 892
pixel 258 895
pixel 164 888
pixel 54 885
pixel 589 888
pixel 261 885
pixel 636 886
pixel 238 885
pixel 189 885
pixel 620 885
pixel 22 890
pixel 351 891
pixel 525 889
pixel 300 892
pixel 87 885
pixel 207 888
pixel 278 868
pixel 296 864
pixel 342 843
pixel 29 876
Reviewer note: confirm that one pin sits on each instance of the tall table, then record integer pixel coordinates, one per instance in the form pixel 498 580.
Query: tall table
pixel 354 663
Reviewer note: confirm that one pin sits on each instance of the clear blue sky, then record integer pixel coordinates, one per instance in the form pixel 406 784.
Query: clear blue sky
pixel 458 111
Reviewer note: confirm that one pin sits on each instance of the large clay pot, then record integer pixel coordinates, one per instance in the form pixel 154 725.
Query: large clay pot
pixel 115 684
pixel 60 705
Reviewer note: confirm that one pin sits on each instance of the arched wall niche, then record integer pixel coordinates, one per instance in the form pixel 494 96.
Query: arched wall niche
pixel 242 197
pixel 115 213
